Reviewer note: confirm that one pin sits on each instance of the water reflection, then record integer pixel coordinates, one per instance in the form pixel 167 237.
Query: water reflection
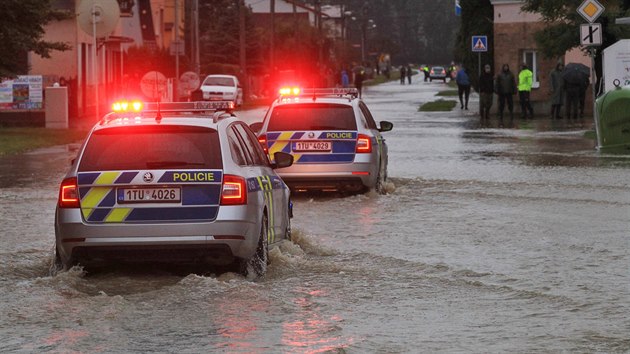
pixel 313 330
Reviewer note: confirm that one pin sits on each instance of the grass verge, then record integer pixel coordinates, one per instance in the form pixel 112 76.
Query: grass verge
pixel 438 106
pixel 447 93
pixel 16 140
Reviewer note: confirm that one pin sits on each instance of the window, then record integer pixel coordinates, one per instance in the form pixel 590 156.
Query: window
pixel 368 116
pixel 235 148
pixel 152 147
pixel 316 116
pixel 252 145
pixel 530 57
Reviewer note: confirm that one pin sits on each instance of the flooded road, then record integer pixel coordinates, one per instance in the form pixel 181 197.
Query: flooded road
pixel 490 240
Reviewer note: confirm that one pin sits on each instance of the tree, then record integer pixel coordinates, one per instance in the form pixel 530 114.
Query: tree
pixel 21 31
pixel 563 26
pixel 477 19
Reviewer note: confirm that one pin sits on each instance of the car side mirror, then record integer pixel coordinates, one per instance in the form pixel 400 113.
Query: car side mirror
pixel 282 160
pixel 256 127
pixel 386 126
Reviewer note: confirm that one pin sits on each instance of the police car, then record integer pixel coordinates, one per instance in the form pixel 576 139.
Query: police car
pixel 336 143
pixel 180 182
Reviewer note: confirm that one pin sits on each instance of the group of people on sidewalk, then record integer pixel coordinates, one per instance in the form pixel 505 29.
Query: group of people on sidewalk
pixel 405 72
pixel 505 85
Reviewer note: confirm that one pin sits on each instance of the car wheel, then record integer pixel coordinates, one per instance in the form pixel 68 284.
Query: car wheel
pixel 56 265
pixel 380 182
pixel 287 231
pixel 431 80
pixel 257 264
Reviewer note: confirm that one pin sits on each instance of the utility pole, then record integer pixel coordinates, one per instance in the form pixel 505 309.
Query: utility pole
pixel 175 82
pixel 196 37
pixel 272 10
pixel 243 46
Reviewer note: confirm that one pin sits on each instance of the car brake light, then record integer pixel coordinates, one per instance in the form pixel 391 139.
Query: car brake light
pixel 263 142
pixel 364 144
pixel 233 190
pixel 69 193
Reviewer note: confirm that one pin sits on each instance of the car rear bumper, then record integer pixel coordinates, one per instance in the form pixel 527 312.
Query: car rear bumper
pixel 215 242
pixel 353 177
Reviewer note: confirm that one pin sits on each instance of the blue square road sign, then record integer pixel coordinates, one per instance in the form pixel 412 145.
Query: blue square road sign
pixel 479 43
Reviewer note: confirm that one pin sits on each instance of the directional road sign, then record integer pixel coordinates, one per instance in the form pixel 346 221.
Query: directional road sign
pixel 591 34
pixel 479 43
pixel 590 10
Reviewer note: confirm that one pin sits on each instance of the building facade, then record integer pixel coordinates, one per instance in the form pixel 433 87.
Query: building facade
pixel 514 44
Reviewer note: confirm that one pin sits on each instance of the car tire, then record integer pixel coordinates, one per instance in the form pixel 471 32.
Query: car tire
pixel 56 264
pixel 256 266
pixel 431 80
pixel 287 231
pixel 380 183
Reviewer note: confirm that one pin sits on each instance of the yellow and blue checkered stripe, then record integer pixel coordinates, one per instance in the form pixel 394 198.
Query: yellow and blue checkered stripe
pixel 100 193
pixel 267 184
pixel 343 145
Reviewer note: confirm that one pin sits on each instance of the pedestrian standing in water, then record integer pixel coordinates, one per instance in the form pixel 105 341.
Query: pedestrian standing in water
pixel 409 73
pixel 463 87
pixel 403 74
pixel 486 90
pixel 358 81
pixel 506 88
pixel 525 81
pixel 583 89
pixel 557 91
pixel 572 85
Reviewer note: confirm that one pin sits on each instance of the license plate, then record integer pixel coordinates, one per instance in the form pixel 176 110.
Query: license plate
pixel 312 146
pixel 149 195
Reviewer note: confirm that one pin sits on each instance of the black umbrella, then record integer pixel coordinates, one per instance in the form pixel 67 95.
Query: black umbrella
pixel 579 66
pixel 576 73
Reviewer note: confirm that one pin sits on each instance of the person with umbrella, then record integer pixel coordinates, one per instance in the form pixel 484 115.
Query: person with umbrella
pixel 574 78
pixel 557 91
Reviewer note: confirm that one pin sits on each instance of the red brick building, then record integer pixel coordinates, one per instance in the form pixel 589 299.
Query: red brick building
pixel 514 44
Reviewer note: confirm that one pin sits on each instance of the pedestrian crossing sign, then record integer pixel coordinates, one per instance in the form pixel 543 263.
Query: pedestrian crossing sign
pixel 479 43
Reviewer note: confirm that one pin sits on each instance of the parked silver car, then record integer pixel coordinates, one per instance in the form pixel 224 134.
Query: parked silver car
pixel 177 182
pixel 336 143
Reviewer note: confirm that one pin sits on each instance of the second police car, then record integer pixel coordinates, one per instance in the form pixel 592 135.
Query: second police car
pixel 172 183
pixel 336 143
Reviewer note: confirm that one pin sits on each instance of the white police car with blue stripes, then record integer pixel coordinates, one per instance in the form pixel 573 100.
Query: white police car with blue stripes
pixel 178 183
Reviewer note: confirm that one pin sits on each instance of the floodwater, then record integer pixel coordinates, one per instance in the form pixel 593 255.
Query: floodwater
pixel 490 240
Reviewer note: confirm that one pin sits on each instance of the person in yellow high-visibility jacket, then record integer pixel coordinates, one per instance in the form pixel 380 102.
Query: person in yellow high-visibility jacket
pixel 525 78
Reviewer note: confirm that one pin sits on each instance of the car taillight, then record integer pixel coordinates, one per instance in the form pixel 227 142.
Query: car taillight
pixel 364 144
pixel 233 190
pixel 69 193
pixel 263 142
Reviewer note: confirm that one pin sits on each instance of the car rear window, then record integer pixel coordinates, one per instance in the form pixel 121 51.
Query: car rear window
pixel 152 147
pixel 312 117
pixel 219 81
